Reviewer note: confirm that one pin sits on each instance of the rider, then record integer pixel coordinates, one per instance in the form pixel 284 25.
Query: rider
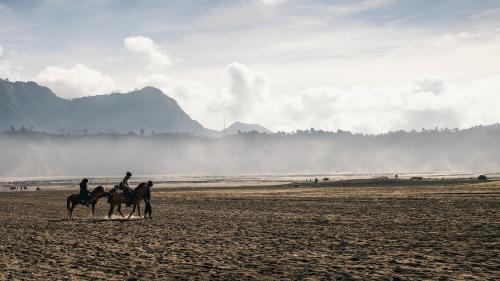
pixel 124 186
pixel 84 192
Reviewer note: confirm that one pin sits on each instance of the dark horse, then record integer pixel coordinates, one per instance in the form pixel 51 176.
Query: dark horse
pixel 74 200
pixel 117 199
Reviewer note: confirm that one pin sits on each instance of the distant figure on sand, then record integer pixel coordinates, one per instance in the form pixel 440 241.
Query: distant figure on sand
pixel 396 176
pixel 316 181
pixel 84 192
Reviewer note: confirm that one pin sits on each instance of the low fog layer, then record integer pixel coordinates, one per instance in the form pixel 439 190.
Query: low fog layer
pixel 473 149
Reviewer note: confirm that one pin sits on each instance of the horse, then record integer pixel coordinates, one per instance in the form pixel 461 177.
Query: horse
pixel 116 199
pixel 74 199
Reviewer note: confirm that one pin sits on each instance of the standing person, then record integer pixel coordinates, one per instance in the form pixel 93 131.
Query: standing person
pixel 147 199
pixel 84 192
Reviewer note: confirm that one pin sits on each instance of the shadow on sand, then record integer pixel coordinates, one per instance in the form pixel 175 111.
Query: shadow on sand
pixel 96 220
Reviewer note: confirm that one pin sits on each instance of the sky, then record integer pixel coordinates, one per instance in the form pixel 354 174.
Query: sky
pixel 366 66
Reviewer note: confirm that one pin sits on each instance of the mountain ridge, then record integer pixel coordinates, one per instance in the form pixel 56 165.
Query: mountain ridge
pixel 148 109
pixel 238 126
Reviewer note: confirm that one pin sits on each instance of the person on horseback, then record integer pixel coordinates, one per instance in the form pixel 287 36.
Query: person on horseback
pixel 84 192
pixel 125 188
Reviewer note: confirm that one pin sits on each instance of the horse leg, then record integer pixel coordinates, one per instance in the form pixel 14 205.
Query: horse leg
pixel 139 209
pixel 120 210
pixel 133 210
pixel 73 205
pixel 111 207
pixel 93 209
pixel 68 203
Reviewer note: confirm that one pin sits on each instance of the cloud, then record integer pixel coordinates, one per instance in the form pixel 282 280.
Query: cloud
pixel 74 82
pixel 203 103
pixel 8 69
pixel 271 2
pixel 157 80
pixel 435 85
pixel 247 88
pixel 362 6
pixel 243 96
pixel 426 103
pixel 158 59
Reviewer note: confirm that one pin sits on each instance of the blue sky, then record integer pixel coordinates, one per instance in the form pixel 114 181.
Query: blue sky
pixel 371 66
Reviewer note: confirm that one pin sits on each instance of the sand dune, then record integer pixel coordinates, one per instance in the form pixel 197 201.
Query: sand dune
pixel 436 232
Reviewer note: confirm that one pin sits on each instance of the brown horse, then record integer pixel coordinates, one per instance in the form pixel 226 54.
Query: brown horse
pixel 117 199
pixel 74 199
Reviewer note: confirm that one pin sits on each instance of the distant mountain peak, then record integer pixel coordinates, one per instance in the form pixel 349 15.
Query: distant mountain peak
pixel 246 127
pixel 29 104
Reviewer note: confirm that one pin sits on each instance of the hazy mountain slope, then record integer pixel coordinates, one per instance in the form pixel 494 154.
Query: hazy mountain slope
pixel 244 128
pixel 148 108
pixel 29 104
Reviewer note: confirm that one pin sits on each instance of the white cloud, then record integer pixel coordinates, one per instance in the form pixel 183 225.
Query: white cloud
pixel 247 89
pixel 158 58
pixel 8 69
pixel 271 2
pixel 359 7
pixel 240 99
pixel 157 80
pixel 435 85
pixel 428 102
pixel 74 82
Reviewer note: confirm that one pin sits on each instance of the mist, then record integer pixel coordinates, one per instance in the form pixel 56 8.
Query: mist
pixel 309 151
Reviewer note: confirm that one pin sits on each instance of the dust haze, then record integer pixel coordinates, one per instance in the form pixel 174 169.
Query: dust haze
pixel 309 151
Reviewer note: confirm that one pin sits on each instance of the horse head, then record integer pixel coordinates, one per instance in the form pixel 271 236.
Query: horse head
pixel 97 190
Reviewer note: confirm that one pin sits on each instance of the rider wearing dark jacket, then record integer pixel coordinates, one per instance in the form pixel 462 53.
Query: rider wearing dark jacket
pixel 124 186
pixel 84 192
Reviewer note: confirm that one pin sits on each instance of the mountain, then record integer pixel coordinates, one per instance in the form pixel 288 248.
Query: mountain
pixel 31 105
pixel 244 128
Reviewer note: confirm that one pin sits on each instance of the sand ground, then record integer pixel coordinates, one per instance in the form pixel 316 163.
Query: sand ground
pixel 438 232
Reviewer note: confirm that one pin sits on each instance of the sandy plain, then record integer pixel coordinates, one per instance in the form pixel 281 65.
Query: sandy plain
pixel 351 230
